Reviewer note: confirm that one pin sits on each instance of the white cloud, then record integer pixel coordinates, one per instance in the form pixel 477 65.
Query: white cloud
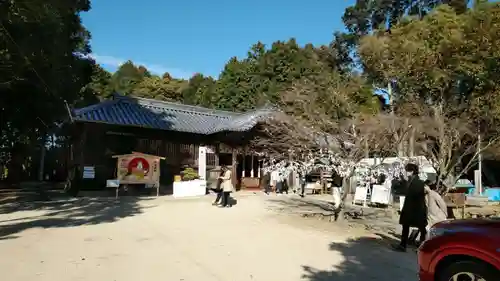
pixel 114 62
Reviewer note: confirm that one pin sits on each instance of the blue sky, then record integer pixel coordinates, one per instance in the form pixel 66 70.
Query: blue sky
pixel 200 36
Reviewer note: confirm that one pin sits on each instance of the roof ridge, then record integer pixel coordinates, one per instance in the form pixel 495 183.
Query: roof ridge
pixel 187 107
pixel 148 113
pixel 94 106
pixel 191 109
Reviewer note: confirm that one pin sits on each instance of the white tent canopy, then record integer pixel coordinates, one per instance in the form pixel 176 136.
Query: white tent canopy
pixel 424 164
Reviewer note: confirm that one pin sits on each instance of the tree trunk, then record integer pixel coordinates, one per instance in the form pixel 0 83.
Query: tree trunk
pixel 339 211
pixel 41 167
pixel 412 142
pixel 75 171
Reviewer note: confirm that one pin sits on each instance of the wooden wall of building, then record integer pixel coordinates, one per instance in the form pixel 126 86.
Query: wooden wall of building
pixel 97 143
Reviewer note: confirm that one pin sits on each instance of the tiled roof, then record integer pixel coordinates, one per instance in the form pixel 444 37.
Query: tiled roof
pixel 148 113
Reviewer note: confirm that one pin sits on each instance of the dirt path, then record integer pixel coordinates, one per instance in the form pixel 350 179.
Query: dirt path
pixel 164 239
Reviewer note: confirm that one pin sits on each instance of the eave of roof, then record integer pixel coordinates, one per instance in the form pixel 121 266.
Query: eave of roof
pixel 149 113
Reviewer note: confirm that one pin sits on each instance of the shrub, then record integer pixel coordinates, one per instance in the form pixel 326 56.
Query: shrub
pixel 189 174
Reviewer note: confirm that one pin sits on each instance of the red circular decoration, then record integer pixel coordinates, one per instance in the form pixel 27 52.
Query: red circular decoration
pixel 134 163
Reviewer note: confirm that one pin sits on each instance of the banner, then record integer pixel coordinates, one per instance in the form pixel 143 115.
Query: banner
pixel 138 169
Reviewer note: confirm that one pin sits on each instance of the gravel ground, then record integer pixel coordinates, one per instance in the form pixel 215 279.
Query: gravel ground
pixel 171 239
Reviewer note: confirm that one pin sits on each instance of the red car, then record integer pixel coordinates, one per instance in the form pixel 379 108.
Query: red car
pixel 461 250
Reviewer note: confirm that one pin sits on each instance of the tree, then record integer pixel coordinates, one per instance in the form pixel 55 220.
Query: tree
pixel 199 91
pixel 337 56
pixel 450 143
pixel 368 16
pixel 38 77
pixel 339 121
pixel 444 68
pixel 144 72
pixel 234 89
pixel 159 88
pixel 314 117
pixel 267 72
pixel 166 76
pixel 100 87
pixel 127 77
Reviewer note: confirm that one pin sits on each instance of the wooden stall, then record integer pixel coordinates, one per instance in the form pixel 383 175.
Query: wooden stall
pixel 171 130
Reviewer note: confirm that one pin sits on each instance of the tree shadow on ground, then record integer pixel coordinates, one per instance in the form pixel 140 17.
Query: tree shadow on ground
pixel 367 258
pixel 17 217
pixel 373 219
pixel 305 204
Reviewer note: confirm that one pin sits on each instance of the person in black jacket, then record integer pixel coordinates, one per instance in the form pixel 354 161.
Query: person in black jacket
pixel 266 181
pixel 414 212
pixel 218 189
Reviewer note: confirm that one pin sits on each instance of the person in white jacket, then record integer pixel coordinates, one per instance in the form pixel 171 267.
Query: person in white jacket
pixel 227 187
pixel 274 180
pixel 437 210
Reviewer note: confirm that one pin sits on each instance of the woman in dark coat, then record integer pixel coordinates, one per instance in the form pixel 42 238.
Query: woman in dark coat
pixel 266 182
pixel 218 188
pixel 414 212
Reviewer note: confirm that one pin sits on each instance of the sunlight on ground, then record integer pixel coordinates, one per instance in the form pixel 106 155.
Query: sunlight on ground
pixel 152 239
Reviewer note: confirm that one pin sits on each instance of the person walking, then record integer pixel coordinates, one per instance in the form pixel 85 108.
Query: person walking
pixel 274 180
pixel 437 210
pixel 436 206
pixel 306 178
pixel 218 188
pixel 266 181
pixel 414 211
pixel 284 185
pixel 227 187
pixel 279 183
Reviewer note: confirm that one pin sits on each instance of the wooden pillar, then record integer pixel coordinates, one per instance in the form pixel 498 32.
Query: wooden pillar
pixel 217 153
pixel 259 162
pixel 243 163
pixel 233 165
pixel 81 151
pixel 251 163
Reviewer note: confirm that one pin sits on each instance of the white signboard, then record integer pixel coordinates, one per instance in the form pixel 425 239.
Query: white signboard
pixel 202 162
pixel 381 194
pixel 113 183
pixel 88 172
pixel 360 194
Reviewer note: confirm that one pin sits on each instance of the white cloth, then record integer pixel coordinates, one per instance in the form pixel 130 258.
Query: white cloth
pixel 275 177
pixel 227 184
pixel 437 210
pixel 337 200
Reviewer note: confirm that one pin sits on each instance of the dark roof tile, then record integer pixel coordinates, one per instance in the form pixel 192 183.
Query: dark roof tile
pixel 147 113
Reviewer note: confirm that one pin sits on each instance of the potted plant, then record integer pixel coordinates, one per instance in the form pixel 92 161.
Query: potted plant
pixel 189 174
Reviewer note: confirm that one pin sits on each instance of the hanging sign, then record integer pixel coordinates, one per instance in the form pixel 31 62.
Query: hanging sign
pixel 88 172
pixel 138 168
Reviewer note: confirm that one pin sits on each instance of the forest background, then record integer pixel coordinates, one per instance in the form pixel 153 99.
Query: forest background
pixel 437 61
